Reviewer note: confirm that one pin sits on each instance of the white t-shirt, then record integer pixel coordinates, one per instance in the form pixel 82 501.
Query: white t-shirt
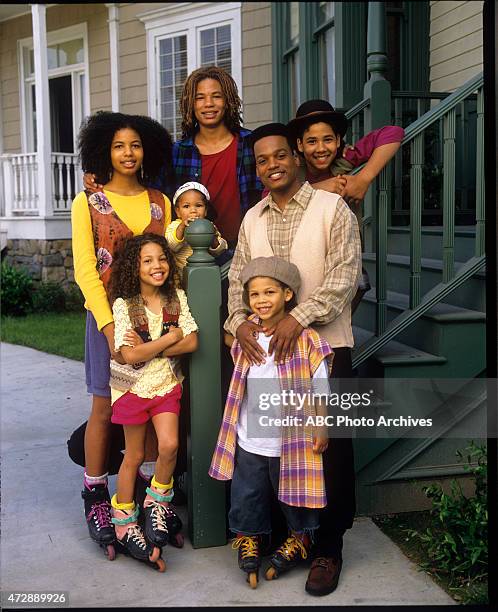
pixel 263 379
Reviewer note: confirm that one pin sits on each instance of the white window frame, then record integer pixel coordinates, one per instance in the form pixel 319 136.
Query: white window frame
pixel 55 37
pixel 188 18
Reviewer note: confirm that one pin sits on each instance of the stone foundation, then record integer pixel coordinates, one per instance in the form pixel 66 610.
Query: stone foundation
pixel 45 260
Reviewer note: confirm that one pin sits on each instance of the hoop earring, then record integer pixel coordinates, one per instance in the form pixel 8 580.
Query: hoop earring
pixel 141 173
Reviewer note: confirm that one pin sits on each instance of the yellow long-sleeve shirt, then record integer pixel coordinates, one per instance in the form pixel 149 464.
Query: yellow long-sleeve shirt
pixel 134 212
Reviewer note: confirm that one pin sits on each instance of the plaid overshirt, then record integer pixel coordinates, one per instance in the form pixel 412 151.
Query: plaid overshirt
pixel 187 165
pixel 301 481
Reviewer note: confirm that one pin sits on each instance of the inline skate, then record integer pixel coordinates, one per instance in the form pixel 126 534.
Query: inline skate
pixel 131 539
pixel 98 517
pixel 292 552
pixel 249 557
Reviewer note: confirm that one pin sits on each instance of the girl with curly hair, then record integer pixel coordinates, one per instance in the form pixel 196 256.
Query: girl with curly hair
pixel 148 386
pixel 125 152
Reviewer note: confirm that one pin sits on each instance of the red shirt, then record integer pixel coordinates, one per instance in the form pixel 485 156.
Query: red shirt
pixel 219 175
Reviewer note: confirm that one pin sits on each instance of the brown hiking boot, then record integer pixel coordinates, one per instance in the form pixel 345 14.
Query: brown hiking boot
pixel 324 575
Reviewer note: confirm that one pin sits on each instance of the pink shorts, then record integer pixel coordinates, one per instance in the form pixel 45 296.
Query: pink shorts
pixel 130 409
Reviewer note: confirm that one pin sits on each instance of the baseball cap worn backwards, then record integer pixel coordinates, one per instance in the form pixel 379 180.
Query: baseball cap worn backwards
pixel 272 267
pixel 187 187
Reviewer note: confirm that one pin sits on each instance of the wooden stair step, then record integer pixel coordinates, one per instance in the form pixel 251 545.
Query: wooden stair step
pixel 396 353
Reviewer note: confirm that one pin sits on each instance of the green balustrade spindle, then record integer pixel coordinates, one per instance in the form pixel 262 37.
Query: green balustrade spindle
pixel 416 199
pixel 480 193
pixel 449 128
pixel 381 259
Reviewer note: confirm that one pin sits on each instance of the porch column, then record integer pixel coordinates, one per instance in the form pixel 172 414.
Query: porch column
pixel 377 88
pixel 378 112
pixel 113 22
pixel 45 202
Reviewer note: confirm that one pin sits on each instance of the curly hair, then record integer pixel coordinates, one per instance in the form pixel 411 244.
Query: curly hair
pixel 125 276
pixel 95 139
pixel 233 103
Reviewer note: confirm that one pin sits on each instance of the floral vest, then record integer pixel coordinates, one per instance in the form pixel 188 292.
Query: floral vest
pixel 109 232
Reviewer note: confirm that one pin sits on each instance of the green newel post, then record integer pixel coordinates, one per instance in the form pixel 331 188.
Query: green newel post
pixel 378 113
pixel 206 497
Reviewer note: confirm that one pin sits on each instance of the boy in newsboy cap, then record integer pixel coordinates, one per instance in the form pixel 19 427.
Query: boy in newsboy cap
pixel 286 461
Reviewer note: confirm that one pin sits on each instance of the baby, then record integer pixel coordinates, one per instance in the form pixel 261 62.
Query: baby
pixel 191 201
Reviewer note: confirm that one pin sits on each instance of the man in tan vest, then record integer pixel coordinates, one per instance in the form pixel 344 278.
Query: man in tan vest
pixel 316 231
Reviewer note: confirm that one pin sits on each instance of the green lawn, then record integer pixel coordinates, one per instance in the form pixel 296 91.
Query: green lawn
pixel 57 333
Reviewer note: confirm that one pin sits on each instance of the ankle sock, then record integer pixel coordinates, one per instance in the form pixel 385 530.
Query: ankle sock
pixel 162 489
pixel 91 481
pixel 126 506
pixel 146 470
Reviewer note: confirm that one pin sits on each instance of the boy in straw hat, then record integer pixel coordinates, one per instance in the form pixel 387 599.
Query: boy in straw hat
pixel 285 460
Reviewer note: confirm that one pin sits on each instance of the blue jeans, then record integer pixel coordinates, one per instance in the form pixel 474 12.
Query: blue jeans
pixel 255 480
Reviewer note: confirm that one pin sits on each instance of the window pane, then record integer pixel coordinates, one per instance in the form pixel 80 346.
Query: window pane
pixel 328 65
pixel 223 34
pixel 294 22
pixel 295 91
pixel 166 78
pixel 207 38
pixel 208 55
pixel 216 47
pixel 173 73
pixel 52 57
pixel 70 52
pixel 165 46
pixel 84 110
pixel 29 64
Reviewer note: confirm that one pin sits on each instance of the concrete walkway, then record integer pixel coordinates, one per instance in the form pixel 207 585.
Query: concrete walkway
pixel 45 543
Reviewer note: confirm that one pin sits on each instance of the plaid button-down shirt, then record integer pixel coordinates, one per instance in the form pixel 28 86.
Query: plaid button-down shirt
pixel 342 263
pixel 187 165
pixel 301 481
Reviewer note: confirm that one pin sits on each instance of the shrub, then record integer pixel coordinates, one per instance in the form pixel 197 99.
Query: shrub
pixel 16 290
pixel 49 297
pixel 456 542
pixel 74 299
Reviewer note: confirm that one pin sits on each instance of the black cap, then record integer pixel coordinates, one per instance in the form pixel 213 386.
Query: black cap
pixel 314 111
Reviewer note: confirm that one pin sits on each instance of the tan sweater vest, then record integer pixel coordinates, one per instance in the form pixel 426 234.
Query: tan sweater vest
pixel 308 251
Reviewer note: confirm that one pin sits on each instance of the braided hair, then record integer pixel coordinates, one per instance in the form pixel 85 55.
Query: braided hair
pixel 233 103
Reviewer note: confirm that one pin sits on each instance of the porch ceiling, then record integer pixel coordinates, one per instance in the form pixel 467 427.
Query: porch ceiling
pixel 8 11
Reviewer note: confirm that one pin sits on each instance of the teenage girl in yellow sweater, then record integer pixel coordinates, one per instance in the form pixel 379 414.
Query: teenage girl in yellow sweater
pixel 125 152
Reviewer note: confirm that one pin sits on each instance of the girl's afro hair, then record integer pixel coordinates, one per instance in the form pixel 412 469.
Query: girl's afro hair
pixel 95 139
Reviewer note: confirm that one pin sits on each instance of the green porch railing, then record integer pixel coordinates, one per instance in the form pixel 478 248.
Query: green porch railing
pixel 451 279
